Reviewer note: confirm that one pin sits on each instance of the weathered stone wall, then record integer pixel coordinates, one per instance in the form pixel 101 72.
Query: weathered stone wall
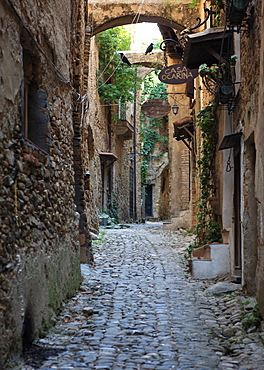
pixel 178 15
pixel 39 227
pixel 95 128
pixel 158 174
pixel 80 53
pixel 164 200
pixel 101 133
pixel 122 177
pixel 249 117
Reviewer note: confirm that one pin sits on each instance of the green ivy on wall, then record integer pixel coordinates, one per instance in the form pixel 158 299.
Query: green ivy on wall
pixel 149 136
pixel 216 6
pixel 208 229
pixel 116 80
pixel 193 3
pixel 150 127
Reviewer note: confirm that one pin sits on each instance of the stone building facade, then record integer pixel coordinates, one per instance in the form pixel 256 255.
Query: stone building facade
pixel 248 119
pixel 40 97
pixel 238 201
pixel 238 195
pixel 61 154
pixel 171 199
pixel 109 150
pixel 55 152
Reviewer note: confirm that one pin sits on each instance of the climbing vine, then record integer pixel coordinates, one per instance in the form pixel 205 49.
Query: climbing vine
pixel 215 76
pixel 149 136
pixel 208 228
pixel 116 79
pixel 216 7
pixel 193 3
pixel 150 128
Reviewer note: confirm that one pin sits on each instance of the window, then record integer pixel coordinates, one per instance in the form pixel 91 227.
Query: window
pixel 35 106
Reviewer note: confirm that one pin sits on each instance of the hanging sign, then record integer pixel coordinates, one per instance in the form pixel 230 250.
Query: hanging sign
pixel 155 108
pixel 177 74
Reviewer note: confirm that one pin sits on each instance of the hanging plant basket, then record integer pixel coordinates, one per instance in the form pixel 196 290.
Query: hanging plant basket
pixel 218 80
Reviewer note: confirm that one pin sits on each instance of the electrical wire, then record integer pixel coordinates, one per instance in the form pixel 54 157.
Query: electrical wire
pixel 134 21
pixel 58 73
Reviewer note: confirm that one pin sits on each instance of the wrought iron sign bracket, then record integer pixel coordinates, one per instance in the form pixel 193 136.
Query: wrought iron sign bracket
pixel 209 12
pixel 163 47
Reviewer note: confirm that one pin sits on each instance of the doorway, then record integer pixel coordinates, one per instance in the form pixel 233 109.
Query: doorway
pixel 149 201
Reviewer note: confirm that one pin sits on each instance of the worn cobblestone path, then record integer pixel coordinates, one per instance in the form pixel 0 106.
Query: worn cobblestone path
pixel 138 309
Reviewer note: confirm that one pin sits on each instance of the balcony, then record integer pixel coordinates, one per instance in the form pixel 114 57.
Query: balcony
pixel 123 126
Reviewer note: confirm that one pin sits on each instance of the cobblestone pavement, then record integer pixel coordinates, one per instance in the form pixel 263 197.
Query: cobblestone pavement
pixel 138 308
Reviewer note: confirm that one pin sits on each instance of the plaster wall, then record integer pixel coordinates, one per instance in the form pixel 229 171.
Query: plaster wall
pixel 217 265
pixel 228 174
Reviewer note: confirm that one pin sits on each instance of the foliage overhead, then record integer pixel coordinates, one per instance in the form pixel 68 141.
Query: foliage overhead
pixel 116 80
pixel 150 127
pixel 194 3
pixel 156 43
pixel 152 88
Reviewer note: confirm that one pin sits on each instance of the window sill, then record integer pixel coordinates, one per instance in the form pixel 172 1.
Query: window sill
pixel 33 154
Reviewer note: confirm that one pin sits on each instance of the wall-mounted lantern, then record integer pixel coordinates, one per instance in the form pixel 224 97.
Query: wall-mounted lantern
pixel 237 12
pixel 168 42
pixel 175 109
pixel 208 14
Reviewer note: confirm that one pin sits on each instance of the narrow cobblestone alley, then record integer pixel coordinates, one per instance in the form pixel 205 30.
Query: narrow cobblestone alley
pixel 138 308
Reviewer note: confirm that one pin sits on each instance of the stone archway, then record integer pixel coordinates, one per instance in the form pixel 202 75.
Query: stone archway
pixel 108 14
pixel 171 19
